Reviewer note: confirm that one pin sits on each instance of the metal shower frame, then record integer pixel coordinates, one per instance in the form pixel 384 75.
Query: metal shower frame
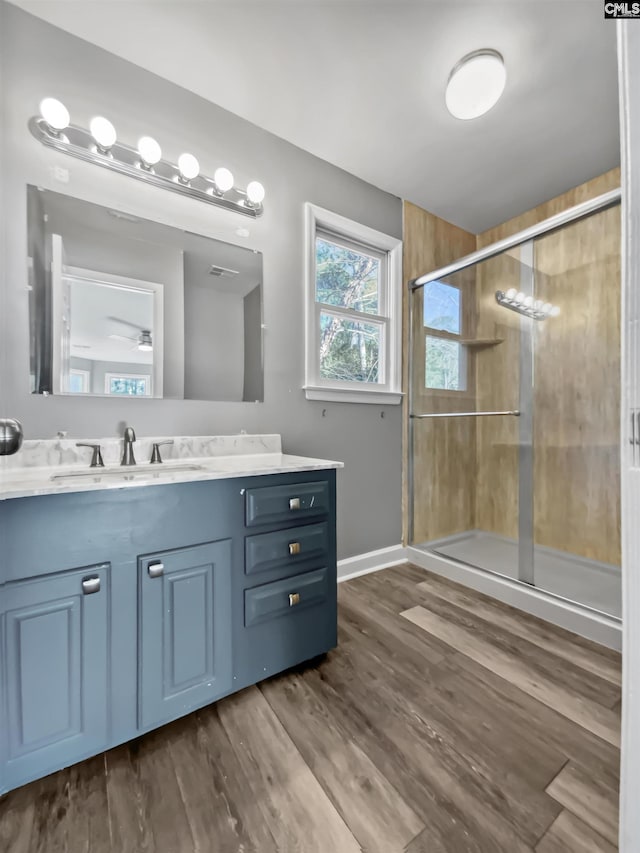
pixel 524 411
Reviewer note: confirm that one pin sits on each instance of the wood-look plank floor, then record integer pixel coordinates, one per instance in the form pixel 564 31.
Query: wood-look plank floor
pixel 444 722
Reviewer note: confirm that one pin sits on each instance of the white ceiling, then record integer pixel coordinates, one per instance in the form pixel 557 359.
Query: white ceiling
pixel 360 83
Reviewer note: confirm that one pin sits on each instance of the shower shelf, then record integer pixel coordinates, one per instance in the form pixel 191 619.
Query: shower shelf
pixel 481 342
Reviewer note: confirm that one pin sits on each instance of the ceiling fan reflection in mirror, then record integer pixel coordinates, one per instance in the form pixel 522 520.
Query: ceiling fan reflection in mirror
pixel 142 341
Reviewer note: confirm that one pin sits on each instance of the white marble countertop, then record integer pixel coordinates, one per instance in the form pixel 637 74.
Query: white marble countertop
pixel 189 459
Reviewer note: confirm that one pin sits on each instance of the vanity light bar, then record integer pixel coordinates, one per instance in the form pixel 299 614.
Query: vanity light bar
pixel 99 145
pixel 526 305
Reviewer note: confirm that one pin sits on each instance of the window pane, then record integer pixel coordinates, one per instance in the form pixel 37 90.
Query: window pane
pixel 349 351
pixel 133 387
pixel 442 307
pixel 444 368
pixel 78 382
pixel 346 278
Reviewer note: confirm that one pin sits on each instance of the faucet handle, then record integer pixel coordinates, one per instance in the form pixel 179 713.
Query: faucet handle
pixel 155 455
pixel 96 456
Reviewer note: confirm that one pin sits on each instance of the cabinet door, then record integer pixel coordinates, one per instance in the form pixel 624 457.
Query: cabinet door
pixel 54 651
pixel 185 630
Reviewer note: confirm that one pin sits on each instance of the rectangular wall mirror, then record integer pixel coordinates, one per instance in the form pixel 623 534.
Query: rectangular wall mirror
pixel 120 306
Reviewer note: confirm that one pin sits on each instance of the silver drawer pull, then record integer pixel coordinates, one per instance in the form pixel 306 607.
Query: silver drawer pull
pixel 90 585
pixel 155 570
pixel 294 548
pixel 294 598
pixel 294 503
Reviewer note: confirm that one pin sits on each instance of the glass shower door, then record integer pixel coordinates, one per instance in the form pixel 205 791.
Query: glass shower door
pixel 576 404
pixel 470 355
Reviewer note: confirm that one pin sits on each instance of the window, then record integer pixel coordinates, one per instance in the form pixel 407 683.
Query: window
pixel 127 384
pixel 79 381
pixel 352 311
pixel 445 355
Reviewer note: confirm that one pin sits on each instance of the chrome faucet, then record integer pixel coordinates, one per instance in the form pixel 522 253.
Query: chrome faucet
pixel 129 437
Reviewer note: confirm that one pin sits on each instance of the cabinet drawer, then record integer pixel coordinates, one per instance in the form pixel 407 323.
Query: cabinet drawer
pixel 284 597
pixel 286 549
pixel 271 504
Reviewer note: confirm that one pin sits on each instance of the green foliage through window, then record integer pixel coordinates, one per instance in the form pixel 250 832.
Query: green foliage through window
pixel 442 365
pixel 126 386
pixel 345 278
pixel 349 351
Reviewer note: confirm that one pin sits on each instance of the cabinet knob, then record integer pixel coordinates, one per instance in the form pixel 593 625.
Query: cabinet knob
pixel 90 585
pixel 294 598
pixel 294 503
pixel 294 548
pixel 155 570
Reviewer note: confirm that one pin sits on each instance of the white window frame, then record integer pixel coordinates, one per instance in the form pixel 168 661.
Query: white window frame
pixel 85 375
pixel 319 221
pixel 108 377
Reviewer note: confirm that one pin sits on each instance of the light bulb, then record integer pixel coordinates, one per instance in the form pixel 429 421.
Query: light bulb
pixel 149 150
pixel 528 301
pixel 54 113
pixel 554 311
pixel 189 166
pixel 103 132
pixel 519 297
pixel 511 293
pixel 475 84
pixel 223 179
pixel 537 305
pixel 255 192
pixel 546 308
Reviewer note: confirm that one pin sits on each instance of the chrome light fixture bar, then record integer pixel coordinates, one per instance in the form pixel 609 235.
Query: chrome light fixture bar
pixel 526 305
pixel 100 146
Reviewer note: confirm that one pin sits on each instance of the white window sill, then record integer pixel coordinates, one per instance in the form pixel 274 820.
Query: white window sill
pixel 353 395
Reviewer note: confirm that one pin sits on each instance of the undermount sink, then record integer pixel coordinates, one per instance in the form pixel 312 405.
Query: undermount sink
pixel 128 472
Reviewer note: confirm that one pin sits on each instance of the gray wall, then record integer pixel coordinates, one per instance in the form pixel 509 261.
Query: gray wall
pixel 213 340
pixel 39 60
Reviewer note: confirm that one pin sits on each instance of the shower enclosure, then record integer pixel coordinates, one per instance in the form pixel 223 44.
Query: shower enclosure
pixel 515 410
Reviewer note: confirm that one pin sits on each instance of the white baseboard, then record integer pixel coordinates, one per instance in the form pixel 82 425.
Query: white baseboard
pixel 372 561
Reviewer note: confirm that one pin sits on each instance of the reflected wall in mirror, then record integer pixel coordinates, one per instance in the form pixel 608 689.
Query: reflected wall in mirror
pixel 122 306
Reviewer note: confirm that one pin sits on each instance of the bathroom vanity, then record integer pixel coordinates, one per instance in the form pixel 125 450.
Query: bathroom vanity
pixel 129 597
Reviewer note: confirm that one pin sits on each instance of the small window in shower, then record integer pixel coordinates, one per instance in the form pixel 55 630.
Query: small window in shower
pixel 444 365
pixel 445 357
pixel 442 307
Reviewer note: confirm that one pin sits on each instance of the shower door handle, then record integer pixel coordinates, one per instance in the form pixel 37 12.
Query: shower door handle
pixel 513 413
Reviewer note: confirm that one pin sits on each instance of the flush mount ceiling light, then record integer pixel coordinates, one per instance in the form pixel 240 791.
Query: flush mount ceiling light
pixel 476 84
pixel 100 145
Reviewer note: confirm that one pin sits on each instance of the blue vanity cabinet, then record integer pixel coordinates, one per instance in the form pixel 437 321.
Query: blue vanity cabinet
pixel 191 591
pixel 54 642
pixel 289 597
pixel 184 629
